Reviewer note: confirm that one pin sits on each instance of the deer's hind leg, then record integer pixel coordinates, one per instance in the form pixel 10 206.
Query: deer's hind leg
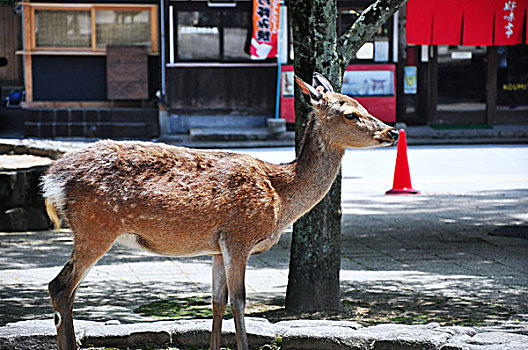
pixel 235 258
pixel 87 250
pixel 219 300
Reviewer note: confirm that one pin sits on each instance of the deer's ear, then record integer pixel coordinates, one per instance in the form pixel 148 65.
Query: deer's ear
pixel 309 90
pixel 320 81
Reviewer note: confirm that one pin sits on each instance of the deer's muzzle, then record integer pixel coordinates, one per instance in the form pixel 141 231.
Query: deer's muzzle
pixel 387 137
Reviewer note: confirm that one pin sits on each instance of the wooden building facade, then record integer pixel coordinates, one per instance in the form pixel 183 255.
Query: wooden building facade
pixel 10 42
pixel 89 64
pixel 471 62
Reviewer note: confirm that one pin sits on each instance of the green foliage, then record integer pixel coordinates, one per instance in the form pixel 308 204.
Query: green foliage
pixel 187 308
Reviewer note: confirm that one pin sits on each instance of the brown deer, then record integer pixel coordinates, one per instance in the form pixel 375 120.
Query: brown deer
pixel 177 201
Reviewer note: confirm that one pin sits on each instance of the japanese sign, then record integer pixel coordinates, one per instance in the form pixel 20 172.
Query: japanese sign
pixel 509 22
pixel 482 22
pixel 265 29
pixel 368 83
pixel 410 85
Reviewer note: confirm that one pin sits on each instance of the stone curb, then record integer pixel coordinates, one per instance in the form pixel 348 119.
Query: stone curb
pixel 300 334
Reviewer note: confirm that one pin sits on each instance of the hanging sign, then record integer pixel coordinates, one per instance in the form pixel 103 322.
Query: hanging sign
pixel 481 23
pixel 509 19
pixel 410 81
pixel 266 15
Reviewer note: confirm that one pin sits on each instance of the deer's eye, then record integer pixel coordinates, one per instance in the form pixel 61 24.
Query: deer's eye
pixel 352 116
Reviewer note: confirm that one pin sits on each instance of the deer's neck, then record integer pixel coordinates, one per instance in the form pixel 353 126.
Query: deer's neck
pixel 307 180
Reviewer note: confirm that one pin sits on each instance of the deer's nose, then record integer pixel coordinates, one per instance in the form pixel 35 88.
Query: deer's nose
pixel 394 134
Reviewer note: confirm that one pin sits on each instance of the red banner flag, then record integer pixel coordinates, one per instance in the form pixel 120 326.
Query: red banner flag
pixel 266 15
pixel 482 22
pixel 509 18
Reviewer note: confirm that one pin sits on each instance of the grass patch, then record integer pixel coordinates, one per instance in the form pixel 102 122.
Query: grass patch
pixel 366 308
pixel 182 308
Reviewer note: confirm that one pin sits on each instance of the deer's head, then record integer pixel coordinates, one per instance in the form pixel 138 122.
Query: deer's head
pixel 345 122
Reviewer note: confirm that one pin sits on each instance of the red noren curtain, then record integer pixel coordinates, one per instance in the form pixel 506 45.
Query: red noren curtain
pixel 466 22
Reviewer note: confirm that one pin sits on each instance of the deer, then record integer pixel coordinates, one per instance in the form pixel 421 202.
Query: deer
pixel 178 201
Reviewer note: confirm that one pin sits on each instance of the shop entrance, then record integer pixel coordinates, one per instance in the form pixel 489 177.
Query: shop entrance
pixel 512 85
pixel 461 84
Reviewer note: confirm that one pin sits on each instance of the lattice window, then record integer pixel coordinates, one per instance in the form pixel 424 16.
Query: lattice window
pixel 63 28
pixel 122 27
pixel 91 27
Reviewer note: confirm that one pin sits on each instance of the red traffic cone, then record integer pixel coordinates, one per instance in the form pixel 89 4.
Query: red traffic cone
pixel 402 177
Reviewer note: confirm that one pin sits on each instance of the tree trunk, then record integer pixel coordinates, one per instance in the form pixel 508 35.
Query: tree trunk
pixel 313 281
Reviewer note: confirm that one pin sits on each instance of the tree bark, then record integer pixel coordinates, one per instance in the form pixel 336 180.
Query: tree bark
pixel 313 281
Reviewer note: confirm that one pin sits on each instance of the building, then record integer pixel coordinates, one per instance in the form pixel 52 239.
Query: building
pixel 212 81
pixel 92 68
pixel 472 62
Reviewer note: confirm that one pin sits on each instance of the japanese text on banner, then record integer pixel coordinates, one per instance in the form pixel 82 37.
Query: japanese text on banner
pixel 265 29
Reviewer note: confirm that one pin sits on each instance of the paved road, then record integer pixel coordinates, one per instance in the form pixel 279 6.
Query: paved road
pixel 432 252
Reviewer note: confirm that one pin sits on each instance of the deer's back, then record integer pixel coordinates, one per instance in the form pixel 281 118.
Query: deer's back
pixel 140 188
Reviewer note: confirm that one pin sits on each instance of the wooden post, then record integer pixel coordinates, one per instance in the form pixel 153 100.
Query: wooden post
pixel 433 91
pixel 28 47
pixel 400 63
pixel 491 85
pixel 424 85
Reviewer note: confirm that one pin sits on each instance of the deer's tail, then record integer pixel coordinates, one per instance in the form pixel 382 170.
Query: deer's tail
pixel 52 213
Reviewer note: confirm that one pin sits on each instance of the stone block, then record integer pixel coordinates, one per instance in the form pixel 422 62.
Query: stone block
pixel 26 335
pixel 404 337
pixel 21 204
pixel 259 331
pixel 20 187
pixel 23 219
pixel 76 116
pixel 61 115
pixel 196 333
pixel 135 336
pixel 61 129
pixel 320 335
pixel 503 338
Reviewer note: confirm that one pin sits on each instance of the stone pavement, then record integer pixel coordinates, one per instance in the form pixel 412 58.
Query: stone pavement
pixel 403 257
pixel 432 259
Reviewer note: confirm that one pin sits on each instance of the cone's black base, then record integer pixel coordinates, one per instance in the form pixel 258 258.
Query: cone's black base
pixel 408 191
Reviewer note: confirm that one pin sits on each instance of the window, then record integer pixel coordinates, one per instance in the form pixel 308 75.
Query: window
pixel 92 27
pixel 376 50
pixel 236 31
pixel 63 28
pixel 201 33
pixel 122 27
pixel 198 35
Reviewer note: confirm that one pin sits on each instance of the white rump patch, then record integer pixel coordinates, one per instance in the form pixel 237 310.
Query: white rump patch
pixel 53 189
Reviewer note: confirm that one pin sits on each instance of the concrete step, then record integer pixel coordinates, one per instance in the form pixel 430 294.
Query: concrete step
pixel 180 124
pixel 228 134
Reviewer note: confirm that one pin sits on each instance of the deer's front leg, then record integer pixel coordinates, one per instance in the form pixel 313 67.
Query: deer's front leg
pixel 219 300
pixel 237 297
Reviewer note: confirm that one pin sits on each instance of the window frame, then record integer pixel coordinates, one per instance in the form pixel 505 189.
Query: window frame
pixel 223 11
pixel 359 9
pixel 31 31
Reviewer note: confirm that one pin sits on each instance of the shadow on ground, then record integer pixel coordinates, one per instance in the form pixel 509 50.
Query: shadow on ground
pixel 404 260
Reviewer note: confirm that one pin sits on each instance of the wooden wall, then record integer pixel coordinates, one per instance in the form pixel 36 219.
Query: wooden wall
pixel 244 89
pixel 10 42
